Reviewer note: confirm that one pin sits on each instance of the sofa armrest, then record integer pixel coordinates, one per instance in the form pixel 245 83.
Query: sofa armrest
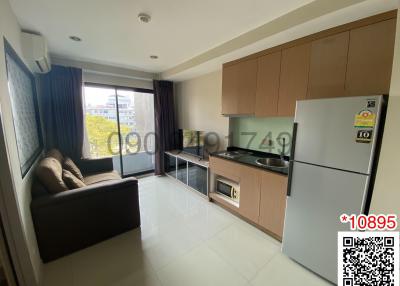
pixel 72 220
pixel 90 166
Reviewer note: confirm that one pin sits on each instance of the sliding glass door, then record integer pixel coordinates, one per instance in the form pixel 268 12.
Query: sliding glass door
pixel 136 119
pixel 120 124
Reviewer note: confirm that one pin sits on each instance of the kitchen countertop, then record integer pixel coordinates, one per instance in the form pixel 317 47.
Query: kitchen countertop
pixel 188 157
pixel 250 159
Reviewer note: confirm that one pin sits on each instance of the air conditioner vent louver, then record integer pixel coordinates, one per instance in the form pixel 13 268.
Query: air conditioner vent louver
pixel 43 66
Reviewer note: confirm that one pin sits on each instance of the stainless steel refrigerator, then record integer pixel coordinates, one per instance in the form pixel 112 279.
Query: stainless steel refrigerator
pixel 334 147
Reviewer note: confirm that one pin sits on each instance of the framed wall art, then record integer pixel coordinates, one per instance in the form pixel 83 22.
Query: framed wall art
pixel 25 111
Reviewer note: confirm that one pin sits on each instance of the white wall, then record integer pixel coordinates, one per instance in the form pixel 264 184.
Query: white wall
pixel 105 74
pixel 116 80
pixel 10 175
pixel 198 105
pixel 386 196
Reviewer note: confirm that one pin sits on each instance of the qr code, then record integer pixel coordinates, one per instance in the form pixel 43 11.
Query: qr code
pixel 368 258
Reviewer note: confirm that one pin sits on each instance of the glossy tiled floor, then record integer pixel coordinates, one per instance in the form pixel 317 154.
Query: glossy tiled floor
pixel 184 240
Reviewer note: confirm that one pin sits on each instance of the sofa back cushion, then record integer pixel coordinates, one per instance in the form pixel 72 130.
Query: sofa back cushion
pixel 70 166
pixel 56 154
pixel 38 189
pixel 72 181
pixel 102 177
pixel 49 172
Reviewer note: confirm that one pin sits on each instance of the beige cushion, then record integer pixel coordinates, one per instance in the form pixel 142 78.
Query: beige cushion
pixel 69 165
pixel 49 172
pixel 56 154
pixel 71 181
pixel 101 177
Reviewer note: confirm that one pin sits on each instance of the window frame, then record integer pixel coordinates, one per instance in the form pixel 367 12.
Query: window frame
pixel 116 88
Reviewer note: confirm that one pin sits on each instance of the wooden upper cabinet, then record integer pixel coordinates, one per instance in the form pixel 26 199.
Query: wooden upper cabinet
pixel 229 93
pixel 239 82
pixel 370 60
pixel 249 193
pixel 328 66
pixel 355 61
pixel 267 93
pixel 272 202
pixel 295 67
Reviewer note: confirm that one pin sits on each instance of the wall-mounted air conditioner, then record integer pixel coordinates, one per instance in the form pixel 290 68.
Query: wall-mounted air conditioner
pixel 35 52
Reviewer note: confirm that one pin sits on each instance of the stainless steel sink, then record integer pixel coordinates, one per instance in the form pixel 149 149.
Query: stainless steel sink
pixel 272 162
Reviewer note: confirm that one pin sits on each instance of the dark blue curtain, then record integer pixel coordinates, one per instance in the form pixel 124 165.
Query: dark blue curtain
pixel 164 122
pixel 61 101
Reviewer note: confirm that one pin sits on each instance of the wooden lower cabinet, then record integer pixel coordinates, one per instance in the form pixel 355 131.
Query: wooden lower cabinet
pixel 225 168
pixel 249 193
pixel 272 202
pixel 262 193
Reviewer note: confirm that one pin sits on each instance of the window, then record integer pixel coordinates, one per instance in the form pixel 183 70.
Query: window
pixel 120 124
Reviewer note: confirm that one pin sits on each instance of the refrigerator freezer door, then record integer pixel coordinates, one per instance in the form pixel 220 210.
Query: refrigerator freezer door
pixel 319 196
pixel 326 133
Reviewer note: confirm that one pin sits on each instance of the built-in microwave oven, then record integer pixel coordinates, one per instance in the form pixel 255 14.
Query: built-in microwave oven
pixel 228 189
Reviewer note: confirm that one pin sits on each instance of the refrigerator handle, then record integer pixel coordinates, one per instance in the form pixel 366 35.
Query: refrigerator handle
pixel 289 185
pixel 294 135
pixel 291 163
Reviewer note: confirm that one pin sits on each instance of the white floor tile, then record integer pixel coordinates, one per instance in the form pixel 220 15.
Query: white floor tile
pixel 208 221
pixel 169 242
pixel 142 277
pixel 247 251
pixel 200 267
pixel 283 271
pixel 58 272
pixel 117 260
pixel 183 240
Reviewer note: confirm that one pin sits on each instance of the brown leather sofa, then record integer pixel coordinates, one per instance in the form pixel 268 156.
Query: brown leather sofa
pixel 74 219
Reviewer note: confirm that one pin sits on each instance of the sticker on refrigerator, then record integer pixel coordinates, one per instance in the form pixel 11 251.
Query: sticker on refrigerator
pixel 364 119
pixel 364 136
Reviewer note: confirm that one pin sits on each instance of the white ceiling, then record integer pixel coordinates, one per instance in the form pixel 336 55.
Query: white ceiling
pixel 353 12
pixel 112 34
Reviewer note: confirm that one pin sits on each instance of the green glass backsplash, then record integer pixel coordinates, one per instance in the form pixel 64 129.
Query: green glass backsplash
pixel 255 133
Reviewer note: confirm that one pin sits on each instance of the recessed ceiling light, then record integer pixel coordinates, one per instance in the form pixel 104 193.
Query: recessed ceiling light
pixel 153 57
pixel 144 18
pixel 75 38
